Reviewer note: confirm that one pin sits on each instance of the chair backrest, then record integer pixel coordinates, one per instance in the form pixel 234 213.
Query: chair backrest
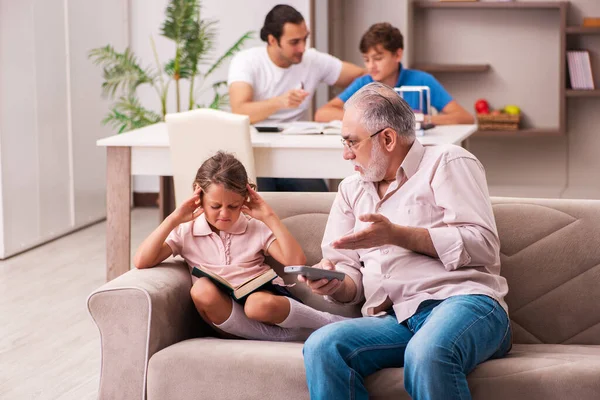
pixel 196 135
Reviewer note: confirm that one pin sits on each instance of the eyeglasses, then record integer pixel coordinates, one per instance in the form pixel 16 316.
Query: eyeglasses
pixel 350 144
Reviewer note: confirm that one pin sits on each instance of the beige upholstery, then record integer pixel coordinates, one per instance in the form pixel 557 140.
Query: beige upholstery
pixel 196 135
pixel 153 341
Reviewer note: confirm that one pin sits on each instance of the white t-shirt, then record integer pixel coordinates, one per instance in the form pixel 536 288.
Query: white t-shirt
pixel 268 80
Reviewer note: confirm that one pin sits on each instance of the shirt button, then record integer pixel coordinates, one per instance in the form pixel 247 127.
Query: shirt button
pixel 386 276
pixel 384 251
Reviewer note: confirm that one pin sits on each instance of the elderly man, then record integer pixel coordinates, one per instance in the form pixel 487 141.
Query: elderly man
pixel 415 234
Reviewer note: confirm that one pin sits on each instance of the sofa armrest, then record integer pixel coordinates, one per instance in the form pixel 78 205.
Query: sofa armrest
pixel 138 314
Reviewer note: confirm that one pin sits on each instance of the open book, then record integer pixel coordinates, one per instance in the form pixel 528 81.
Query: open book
pixel 313 128
pixel 240 291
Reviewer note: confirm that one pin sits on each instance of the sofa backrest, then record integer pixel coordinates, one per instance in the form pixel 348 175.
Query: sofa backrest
pixel 550 254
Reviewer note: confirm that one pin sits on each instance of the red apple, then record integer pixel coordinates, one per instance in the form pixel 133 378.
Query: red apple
pixel 482 106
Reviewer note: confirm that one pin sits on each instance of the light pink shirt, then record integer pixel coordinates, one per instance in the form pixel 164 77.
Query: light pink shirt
pixel 442 189
pixel 236 255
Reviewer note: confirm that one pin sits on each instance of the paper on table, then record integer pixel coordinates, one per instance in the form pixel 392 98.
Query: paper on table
pixel 313 128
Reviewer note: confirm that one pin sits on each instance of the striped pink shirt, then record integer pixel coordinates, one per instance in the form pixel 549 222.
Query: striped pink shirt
pixel 442 189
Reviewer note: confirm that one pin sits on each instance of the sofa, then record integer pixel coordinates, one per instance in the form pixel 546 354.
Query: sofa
pixel 155 346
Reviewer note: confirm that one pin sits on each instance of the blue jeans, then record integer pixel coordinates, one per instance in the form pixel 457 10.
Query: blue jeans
pixel 437 346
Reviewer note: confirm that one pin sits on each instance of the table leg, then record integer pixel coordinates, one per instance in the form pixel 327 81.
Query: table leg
pixel 118 211
pixel 166 197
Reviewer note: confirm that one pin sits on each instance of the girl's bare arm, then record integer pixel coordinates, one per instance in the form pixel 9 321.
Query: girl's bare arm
pixel 153 249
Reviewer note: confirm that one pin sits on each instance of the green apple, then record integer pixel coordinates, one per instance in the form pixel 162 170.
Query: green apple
pixel 512 109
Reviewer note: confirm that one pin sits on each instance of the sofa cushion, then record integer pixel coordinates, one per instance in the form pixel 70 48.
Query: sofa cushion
pixel 267 370
pixel 535 372
pixel 551 260
pixel 210 368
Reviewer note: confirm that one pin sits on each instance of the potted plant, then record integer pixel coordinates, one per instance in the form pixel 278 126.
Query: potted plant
pixel 194 40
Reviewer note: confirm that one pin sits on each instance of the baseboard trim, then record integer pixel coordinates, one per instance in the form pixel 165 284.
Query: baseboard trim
pixel 145 200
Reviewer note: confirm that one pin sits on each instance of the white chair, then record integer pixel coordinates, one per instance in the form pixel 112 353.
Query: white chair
pixel 196 135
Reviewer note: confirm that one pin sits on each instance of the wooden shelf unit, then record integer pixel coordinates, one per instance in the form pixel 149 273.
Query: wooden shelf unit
pixel 574 32
pixel 561 7
pixel 520 133
pixel 492 4
pixel 583 93
pixel 433 68
pixel 583 30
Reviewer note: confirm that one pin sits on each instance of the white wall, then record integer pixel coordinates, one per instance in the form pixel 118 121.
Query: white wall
pixel 359 15
pixel 146 19
pixel 321 42
pixel 109 24
pixel 52 174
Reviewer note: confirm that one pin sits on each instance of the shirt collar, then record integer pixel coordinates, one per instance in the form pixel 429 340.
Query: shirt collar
pixel 202 228
pixel 400 75
pixel 412 160
pixel 409 165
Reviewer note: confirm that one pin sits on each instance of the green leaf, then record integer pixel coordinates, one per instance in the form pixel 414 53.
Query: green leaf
pixel 237 46
pixel 118 121
pixel 179 19
pixel 219 99
pixel 120 70
pixel 128 114
pixel 185 71
pixel 216 101
pixel 198 46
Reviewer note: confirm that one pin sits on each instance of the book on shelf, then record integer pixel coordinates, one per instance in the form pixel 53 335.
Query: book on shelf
pixel 591 22
pixel 236 291
pixel 580 70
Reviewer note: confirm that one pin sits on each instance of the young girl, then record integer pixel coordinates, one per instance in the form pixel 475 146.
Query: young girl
pixel 211 229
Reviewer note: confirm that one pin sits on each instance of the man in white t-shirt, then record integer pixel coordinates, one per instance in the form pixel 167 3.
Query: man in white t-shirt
pixel 276 83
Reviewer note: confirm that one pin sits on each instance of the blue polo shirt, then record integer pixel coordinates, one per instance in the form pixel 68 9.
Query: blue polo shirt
pixel 407 77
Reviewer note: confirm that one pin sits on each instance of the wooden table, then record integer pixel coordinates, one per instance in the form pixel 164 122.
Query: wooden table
pixel 146 152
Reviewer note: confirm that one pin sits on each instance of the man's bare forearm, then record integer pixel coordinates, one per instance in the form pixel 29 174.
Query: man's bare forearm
pixel 452 118
pixel 415 239
pixel 329 113
pixel 346 292
pixel 258 110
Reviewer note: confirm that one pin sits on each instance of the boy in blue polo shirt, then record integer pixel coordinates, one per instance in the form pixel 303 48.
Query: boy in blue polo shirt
pixel 382 48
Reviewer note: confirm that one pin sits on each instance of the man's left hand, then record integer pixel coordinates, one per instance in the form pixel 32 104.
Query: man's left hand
pixel 379 233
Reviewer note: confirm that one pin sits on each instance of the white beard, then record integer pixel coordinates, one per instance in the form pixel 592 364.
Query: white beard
pixel 375 171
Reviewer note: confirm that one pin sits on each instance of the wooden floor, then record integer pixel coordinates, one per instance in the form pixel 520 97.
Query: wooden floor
pixel 49 346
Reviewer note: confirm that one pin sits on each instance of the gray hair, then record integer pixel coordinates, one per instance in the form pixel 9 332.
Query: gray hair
pixel 382 107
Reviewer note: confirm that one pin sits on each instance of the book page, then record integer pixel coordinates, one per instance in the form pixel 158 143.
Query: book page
pixel 332 127
pixel 312 128
pixel 254 283
pixel 303 128
pixel 215 276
